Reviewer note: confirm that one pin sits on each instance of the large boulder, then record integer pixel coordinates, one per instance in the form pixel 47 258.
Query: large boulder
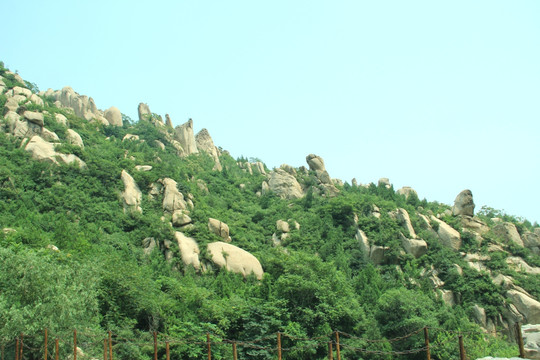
pixel 235 259
pixel 34 117
pixel 74 138
pixel 415 247
pixel 189 250
pixel 172 198
pixel 473 224
pixel 449 236
pixel 144 112
pixel 402 217
pixel 131 195
pixel 42 150
pixel 531 340
pixel 526 305
pixel 205 143
pixel 284 185
pixel 464 204
pixel 316 163
pixel 508 232
pixel 184 135
pixel 407 191
pixel 219 228
pixel 113 116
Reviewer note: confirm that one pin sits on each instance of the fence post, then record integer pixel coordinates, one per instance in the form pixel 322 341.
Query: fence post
pixel 426 337
pixel 279 345
pixel 2 351
pixel 155 345
pixel 21 346
pixel 44 345
pixel 110 345
pixel 462 355
pixel 234 353
pixel 209 346
pixel 338 352
pixel 56 349
pixel 105 349
pixel 167 350
pixel 330 350
pixel 519 338
pixel 74 344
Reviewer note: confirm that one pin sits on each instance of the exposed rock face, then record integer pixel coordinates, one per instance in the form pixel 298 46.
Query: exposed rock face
pixel 181 218
pixel 448 235
pixel 149 244
pixel 284 185
pixel 184 135
pixel 316 163
pixel 172 198
pixel 464 204
pixel 42 150
pixel 283 226
pixel 473 224
pixel 205 143
pixel 526 305
pixel 82 105
pixel 384 182
pixel 144 112
pixel 402 217
pixel 61 119
pixel 49 135
pixel 143 167
pixel 131 195
pixel 235 259
pixel 531 340
pixel 74 138
pixel 219 228
pixel 415 247
pixel 113 116
pixel 189 250
pixel 407 191
pixel 508 232
pixel 168 121
pixel 34 117
pixel 521 265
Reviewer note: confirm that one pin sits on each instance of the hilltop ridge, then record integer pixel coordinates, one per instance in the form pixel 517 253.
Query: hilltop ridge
pixel 175 233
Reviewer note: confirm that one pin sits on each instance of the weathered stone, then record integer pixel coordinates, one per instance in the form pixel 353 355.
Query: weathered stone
pixel 160 145
pixel 531 340
pixel 402 217
pixel 316 163
pixel 284 185
pixel 407 191
pixel 508 232
pixel 41 150
pixel 364 243
pixel 205 143
pixel 172 198
pixel 74 138
pixel 288 169
pixel 180 218
pixel 448 297
pixel 149 244
pixel 17 90
pixel 61 119
pixel 282 226
pixel 464 204
pixel 377 254
pixel 131 195
pixel 449 236
pixel 34 117
pixel 189 250
pixel 130 137
pixel 473 224
pixel 113 116
pixel 184 135
pixel 384 182
pixel 479 315
pixel 527 306
pixel 143 167
pixel 235 259
pixel 415 247
pixel 168 121
pixel 521 266
pixel 219 228
pixel 144 112
pixel 49 135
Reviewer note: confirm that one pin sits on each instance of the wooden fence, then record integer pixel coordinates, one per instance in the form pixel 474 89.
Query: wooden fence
pixel 333 342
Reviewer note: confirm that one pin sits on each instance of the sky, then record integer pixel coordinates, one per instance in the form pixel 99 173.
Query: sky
pixel 441 96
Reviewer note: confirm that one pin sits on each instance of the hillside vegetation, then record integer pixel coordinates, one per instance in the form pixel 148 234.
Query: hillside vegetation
pixel 113 231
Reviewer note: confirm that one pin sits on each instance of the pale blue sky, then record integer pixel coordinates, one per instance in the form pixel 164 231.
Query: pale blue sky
pixel 440 96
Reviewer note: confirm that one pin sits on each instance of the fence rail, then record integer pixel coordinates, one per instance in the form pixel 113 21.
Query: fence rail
pixel 334 342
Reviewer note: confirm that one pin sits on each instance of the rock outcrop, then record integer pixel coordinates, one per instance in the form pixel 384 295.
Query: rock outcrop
pixel 82 105
pixel 205 143
pixel 526 305
pixel 189 250
pixel 131 195
pixel 316 164
pixel 402 217
pixel 144 112
pixel 42 150
pixel 508 232
pixel 74 138
pixel 186 138
pixel 407 191
pixel 283 185
pixel 173 199
pixel 219 228
pixel 449 236
pixel 113 116
pixel 464 204
pixel 235 259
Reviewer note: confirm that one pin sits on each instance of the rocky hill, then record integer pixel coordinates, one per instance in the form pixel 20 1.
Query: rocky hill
pixel 145 227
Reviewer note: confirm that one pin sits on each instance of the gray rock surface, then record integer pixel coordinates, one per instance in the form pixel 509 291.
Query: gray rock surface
pixel 113 116
pixel 74 138
pixel 184 135
pixel 449 236
pixel 189 250
pixel 144 112
pixel 205 143
pixel 219 228
pixel 407 191
pixel 284 185
pixel 131 195
pixel 235 259
pixel 463 204
pixel 172 198
pixel 508 232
